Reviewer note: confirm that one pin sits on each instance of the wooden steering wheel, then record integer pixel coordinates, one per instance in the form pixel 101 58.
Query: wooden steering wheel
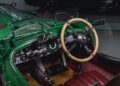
pixel 62 36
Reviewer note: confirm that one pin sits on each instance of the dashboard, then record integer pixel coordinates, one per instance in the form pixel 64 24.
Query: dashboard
pixel 39 49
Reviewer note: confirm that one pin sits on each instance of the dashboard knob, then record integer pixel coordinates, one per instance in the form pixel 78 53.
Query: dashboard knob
pixel 39 47
pixel 44 52
pixel 23 57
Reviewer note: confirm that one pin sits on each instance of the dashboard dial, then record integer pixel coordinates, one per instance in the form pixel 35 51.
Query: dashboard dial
pixel 53 46
pixel 23 57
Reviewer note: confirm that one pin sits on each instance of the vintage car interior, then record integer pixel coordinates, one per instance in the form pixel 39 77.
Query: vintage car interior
pixel 66 58
pixel 64 49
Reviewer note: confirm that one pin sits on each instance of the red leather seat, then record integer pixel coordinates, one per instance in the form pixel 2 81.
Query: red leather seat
pixel 88 79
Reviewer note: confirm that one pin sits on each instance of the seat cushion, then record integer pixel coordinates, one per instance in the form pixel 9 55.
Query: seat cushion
pixel 87 79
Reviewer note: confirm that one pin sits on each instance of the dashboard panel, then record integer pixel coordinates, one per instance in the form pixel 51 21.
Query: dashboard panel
pixel 39 49
pixel 36 49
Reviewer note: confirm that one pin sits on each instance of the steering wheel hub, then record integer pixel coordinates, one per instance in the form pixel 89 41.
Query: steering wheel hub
pixel 81 39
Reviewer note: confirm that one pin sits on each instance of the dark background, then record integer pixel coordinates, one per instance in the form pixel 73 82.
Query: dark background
pixel 84 6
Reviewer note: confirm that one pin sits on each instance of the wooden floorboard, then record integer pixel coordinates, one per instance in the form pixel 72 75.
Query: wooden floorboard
pixel 32 81
pixel 59 78
pixel 62 77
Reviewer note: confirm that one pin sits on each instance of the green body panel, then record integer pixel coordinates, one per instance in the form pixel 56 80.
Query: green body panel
pixel 5 18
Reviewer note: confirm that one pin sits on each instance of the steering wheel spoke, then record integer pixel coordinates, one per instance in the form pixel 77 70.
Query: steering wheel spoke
pixel 87 31
pixel 72 46
pixel 87 49
pixel 73 30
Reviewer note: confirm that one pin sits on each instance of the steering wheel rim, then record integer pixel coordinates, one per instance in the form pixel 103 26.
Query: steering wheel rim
pixel 91 56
